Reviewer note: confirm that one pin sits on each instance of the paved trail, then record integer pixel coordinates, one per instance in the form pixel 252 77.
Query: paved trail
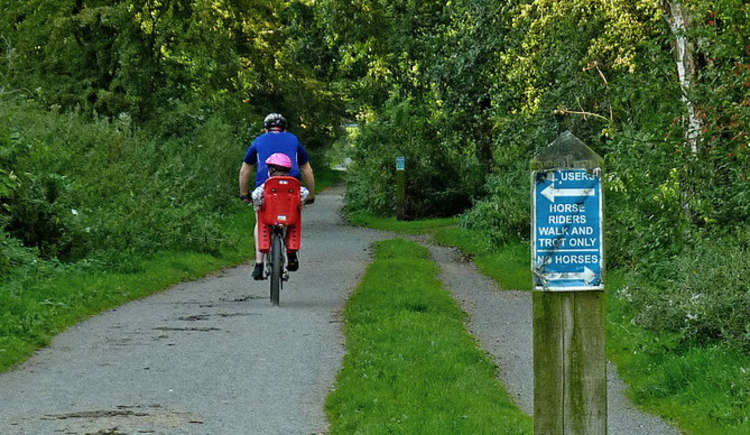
pixel 206 357
pixel 214 357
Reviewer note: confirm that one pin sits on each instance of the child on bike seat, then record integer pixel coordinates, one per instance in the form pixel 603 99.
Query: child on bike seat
pixel 279 164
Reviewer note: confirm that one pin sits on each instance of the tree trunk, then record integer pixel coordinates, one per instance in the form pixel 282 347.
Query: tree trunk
pixel 684 52
pixel 482 134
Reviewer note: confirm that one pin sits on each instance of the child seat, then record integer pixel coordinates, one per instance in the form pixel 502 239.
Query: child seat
pixel 281 206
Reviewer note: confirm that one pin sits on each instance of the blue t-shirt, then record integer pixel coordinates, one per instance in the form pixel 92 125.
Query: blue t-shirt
pixel 275 142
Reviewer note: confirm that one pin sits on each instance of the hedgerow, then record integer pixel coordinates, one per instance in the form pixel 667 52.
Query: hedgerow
pixel 79 187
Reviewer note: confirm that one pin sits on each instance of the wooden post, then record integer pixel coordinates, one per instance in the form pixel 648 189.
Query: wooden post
pixel 570 366
pixel 400 188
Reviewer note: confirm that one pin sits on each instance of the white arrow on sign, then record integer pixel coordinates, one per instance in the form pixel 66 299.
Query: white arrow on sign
pixel 550 192
pixel 587 275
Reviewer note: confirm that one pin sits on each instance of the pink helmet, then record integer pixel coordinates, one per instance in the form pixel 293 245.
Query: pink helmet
pixel 279 159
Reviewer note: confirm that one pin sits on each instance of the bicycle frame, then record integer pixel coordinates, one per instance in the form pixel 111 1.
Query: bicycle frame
pixel 276 264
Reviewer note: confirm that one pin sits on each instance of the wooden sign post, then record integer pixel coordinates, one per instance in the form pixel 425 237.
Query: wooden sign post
pixel 400 188
pixel 570 365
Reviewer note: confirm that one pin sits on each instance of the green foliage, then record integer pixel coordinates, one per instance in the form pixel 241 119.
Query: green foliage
pixel 42 215
pixel 92 186
pixel 411 367
pixel 503 215
pixel 13 254
pixel 167 64
pixel 437 173
pixel 646 220
pixel 696 303
pixel 717 181
pixel 494 82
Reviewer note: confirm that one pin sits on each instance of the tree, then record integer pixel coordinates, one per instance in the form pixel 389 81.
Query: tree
pixel 684 53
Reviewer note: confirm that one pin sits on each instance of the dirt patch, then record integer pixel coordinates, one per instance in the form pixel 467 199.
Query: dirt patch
pixel 122 420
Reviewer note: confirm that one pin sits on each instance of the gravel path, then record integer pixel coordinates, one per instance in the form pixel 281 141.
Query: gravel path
pixel 206 357
pixel 501 321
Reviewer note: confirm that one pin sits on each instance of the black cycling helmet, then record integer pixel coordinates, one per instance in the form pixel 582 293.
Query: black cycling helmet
pixel 274 120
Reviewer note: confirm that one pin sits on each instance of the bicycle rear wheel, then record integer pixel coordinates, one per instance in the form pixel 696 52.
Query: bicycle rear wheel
pixel 276 266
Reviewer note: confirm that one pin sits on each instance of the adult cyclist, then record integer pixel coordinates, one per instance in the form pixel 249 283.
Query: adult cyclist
pixel 276 139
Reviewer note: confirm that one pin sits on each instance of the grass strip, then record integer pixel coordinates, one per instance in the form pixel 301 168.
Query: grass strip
pixel 50 299
pixel 501 265
pixel 411 366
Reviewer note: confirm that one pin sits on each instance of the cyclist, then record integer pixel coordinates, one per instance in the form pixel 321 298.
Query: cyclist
pixel 275 140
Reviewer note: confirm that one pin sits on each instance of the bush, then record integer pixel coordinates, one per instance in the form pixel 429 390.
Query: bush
pixel 76 186
pixel 504 214
pixel 14 255
pixel 702 294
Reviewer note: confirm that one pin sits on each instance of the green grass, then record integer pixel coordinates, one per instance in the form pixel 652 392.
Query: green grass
pixel 701 389
pixel 326 177
pixel 411 367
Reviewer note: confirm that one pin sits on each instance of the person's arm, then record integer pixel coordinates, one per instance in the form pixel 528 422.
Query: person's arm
pixel 246 171
pixel 257 196
pixel 309 179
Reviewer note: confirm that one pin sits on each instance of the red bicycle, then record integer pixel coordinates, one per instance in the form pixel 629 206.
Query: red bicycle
pixel 279 228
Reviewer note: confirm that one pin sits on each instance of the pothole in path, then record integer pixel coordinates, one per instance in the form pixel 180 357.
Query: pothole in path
pixel 199 317
pixel 463 257
pixel 192 329
pixel 243 298
pixel 123 419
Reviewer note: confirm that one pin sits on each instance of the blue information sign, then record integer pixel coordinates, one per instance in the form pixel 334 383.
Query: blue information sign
pixel 567 252
pixel 400 163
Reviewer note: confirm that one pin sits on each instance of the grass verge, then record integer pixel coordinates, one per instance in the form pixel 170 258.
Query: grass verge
pixel 45 301
pixel 704 389
pixel 411 367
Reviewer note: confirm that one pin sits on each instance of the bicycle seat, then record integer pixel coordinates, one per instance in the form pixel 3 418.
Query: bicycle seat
pixel 281 201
